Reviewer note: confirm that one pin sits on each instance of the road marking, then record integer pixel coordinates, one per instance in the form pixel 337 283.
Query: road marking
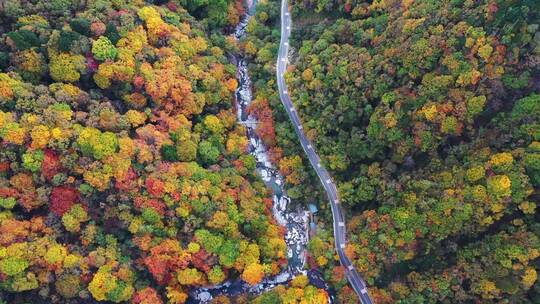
pixel 351 267
pixel 364 291
pixel 283 59
pixel 341 224
pixel 286 43
pixel 288 27
pixel 342 246
pixel 286 14
pixel 284 92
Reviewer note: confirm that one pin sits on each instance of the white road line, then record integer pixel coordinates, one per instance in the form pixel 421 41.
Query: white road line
pixel 284 92
pixel 341 224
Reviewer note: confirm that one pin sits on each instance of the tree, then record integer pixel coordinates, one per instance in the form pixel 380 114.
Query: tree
pixel 186 150
pixel 30 64
pixel 40 136
pixel 137 97
pixel 216 275
pixel 62 199
pixel 68 285
pixel 189 276
pixel 94 142
pixel 499 186
pixel 33 160
pixel 147 295
pixel 253 273
pixel 208 153
pixel 74 217
pixel 213 124
pixel 13 265
pixel 291 168
pixel 24 39
pixel 66 68
pixel 103 49
pixel 532 162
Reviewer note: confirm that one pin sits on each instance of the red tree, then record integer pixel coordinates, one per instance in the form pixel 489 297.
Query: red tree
pixel 147 295
pixel 51 164
pixel 154 187
pixel 62 199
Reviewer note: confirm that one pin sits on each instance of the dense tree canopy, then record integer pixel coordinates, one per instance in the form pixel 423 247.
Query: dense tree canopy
pixel 123 175
pixel 426 113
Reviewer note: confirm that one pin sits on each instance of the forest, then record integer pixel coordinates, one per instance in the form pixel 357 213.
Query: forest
pixel 427 113
pixel 124 177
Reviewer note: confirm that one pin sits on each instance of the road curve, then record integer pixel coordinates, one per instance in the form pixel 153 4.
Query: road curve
pixel 357 283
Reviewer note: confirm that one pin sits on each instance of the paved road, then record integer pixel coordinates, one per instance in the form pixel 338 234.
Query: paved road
pixel 340 232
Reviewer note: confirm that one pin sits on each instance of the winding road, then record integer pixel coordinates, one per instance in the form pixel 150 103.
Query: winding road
pixel 356 281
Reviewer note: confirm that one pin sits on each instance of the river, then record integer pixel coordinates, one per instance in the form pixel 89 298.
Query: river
pixel 295 220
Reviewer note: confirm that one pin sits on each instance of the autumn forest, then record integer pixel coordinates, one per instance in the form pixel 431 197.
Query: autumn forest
pixel 125 176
